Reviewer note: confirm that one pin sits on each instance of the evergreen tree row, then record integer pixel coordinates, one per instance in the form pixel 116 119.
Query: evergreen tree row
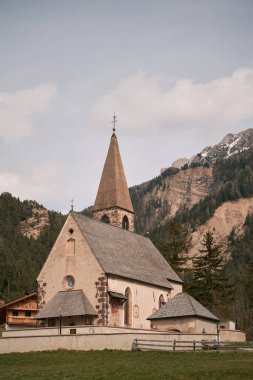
pixel 21 258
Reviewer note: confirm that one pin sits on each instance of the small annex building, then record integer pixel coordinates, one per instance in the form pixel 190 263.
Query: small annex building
pixel 73 308
pixel 184 314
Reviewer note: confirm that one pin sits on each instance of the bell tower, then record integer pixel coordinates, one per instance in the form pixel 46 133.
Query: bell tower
pixel 113 203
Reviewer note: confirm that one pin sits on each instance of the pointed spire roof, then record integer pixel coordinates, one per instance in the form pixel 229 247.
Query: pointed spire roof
pixel 113 189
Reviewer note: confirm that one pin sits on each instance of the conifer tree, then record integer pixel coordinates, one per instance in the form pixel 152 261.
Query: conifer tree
pixel 208 285
pixel 176 245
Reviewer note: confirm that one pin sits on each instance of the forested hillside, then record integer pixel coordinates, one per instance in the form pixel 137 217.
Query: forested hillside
pixel 232 180
pixel 21 258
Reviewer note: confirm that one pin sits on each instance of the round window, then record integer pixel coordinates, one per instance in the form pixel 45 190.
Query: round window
pixel 69 282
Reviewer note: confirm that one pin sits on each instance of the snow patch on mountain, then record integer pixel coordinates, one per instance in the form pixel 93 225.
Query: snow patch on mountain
pixel 230 145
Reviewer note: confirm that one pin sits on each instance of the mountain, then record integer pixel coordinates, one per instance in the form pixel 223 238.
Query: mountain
pixel 230 145
pixel 178 188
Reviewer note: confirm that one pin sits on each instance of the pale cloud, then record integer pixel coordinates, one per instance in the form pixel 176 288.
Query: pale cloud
pixel 19 110
pixel 40 183
pixel 142 104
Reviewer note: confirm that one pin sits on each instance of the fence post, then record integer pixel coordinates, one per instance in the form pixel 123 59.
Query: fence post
pixel 135 344
pixel 194 346
pixel 174 345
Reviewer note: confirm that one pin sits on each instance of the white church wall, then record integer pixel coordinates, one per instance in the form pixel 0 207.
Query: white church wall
pixel 145 301
pixel 70 256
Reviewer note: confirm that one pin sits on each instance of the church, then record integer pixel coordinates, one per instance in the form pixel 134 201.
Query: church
pixel 100 272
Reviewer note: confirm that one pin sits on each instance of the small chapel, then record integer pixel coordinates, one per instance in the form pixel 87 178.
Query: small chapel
pixel 100 272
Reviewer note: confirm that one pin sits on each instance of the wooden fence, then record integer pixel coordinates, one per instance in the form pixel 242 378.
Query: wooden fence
pixel 194 346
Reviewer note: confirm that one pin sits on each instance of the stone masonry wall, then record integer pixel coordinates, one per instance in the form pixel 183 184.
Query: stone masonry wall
pixel 102 301
pixel 115 216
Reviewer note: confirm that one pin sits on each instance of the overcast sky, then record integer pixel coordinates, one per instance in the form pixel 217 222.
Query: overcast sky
pixel 177 73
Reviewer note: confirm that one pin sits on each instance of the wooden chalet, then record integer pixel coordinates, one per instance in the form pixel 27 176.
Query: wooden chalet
pixel 20 313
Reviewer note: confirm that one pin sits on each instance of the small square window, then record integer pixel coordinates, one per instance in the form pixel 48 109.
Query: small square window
pixel 27 313
pixel 15 313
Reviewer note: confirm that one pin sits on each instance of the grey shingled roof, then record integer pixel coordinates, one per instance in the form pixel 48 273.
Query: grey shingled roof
pixel 182 305
pixel 67 303
pixel 126 254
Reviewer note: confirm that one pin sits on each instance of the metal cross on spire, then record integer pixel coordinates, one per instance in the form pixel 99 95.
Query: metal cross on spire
pixel 72 204
pixel 114 121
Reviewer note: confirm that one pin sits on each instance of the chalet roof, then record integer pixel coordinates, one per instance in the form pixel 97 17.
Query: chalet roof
pixel 126 254
pixel 182 305
pixel 113 189
pixel 67 303
pixel 25 298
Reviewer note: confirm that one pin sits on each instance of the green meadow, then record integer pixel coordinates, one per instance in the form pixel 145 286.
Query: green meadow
pixel 126 365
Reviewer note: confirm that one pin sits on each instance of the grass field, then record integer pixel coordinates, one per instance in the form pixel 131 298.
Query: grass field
pixel 126 365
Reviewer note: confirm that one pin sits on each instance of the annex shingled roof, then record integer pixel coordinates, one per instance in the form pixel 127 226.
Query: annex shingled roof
pixel 182 305
pixel 67 303
pixel 113 190
pixel 126 254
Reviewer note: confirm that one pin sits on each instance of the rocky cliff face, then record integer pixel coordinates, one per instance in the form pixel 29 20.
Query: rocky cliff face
pixel 183 189
pixel 33 226
pixel 177 188
pixel 165 198
pixel 229 216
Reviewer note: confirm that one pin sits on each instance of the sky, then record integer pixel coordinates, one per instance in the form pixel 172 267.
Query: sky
pixel 177 73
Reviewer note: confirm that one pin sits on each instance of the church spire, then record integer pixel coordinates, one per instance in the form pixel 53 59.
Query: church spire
pixel 113 203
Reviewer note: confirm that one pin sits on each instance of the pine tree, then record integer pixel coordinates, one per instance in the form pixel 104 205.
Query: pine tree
pixel 208 285
pixel 176 245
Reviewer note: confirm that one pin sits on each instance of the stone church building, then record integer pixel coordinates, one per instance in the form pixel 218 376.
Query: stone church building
pixel 100 271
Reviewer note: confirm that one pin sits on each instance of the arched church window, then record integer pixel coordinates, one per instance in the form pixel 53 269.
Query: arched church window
pixel 161 301
pixel 128 308
pixel 125 223
pixel 105 219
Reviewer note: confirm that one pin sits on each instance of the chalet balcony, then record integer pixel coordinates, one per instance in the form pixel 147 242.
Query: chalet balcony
pixel 21 321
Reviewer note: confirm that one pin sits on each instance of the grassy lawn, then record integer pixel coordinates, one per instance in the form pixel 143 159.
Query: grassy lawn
pixel 126 365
